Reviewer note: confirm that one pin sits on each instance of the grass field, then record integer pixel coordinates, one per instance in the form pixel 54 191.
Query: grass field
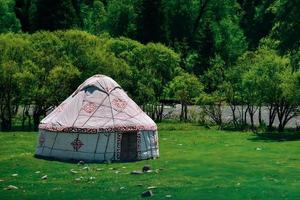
pixel 196 163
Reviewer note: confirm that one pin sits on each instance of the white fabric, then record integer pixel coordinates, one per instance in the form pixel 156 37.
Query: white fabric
pixel 98 103
pixel 89 125
pixel 59 145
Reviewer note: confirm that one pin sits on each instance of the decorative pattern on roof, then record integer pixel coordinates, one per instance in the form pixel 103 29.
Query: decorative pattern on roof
pixel 98 105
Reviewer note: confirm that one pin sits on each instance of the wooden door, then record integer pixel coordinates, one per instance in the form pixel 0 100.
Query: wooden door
pixel 129 146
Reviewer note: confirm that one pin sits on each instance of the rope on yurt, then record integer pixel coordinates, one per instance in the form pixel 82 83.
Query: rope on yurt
pixel 96 146
pixel 78 113
pixel 112 116
pixel 94 111
pixel 53 144
pixel 115 145
pixel 43 144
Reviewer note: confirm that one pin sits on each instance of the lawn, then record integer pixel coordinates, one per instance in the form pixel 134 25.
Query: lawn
pixel 195 163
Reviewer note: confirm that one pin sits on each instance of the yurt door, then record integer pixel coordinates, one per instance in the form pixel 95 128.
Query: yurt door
pixel 129 147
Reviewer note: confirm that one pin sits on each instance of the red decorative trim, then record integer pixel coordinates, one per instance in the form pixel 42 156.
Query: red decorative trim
pixel 119 104
pixel 89 107
pixel 113 129
pixel 77 144
pixel 138 145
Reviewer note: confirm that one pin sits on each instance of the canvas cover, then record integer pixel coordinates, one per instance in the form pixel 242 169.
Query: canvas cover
pixel 98 105
pixel 94 147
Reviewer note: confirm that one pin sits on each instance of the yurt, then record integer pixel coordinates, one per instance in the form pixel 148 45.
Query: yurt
pixel 97 123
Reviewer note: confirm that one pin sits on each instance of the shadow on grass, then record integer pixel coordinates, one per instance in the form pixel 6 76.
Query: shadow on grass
pixel 276 136
pixel 83 161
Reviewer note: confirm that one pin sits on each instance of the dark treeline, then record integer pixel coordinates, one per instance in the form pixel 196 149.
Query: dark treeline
pixel 229 52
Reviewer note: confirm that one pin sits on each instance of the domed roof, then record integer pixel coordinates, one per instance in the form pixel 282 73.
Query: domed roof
pixel 98 105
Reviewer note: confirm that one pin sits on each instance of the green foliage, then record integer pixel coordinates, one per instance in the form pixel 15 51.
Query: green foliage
pixel 8 20
pixel 54 14
pixel 260 83
pixel 62 81
pixel 257 19
pixel 12 54
pixel 185 87
pixel 47 63
pixel 88 53
pixel 179 18
pixel 214 76
pixel 153 66
pixel 290 86
pixel 121 18
pixel 287 25
pixel 229 40
pixel 244 52
pixel 150 21
pixel 94 17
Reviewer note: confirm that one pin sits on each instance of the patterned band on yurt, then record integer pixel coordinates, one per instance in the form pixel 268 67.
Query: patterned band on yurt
pixel 98 122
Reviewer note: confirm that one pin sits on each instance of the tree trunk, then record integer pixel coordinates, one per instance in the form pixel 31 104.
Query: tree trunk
pixel 5 124
pixel 202 7
pixel 161 111
pixel 182 111
pixel 233 108
pixel 37 113
pixel 251 120
pixel 272 115
pixel 251 110
pixel 7 115
pixel 29 117
pixel 285 113
pixel 245 115
pixel 219 114
pixel 259 116
pixel 23 118
pixel 185 112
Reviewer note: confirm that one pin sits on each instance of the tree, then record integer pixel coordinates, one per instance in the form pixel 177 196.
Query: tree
pixel 13 50
pixel 23 10
pixel 214 97
pixel 230 42
pixel 150 21
pixel 179 18
pixel 287 25
pixel 184 87
pixel 289 104
pixel 122 18
pixel 94 17
pixel 8 20
pixel 9 95
pixel 54 15
pixel 269 82
pixel 233 89
pixel 153 66
pixel 89 54
pixel 203 4
pixel 257 20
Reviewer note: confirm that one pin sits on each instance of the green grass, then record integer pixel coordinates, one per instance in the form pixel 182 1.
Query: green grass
pixel 197 163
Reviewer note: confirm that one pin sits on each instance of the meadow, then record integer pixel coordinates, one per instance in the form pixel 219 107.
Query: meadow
pixel 195 163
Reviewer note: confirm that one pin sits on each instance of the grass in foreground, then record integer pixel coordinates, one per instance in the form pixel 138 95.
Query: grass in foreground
pixel 197 163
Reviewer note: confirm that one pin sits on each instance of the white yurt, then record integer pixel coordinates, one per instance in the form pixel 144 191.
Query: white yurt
pixel 98 122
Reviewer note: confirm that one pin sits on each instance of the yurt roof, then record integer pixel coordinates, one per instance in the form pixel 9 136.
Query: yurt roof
pixel 98 105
